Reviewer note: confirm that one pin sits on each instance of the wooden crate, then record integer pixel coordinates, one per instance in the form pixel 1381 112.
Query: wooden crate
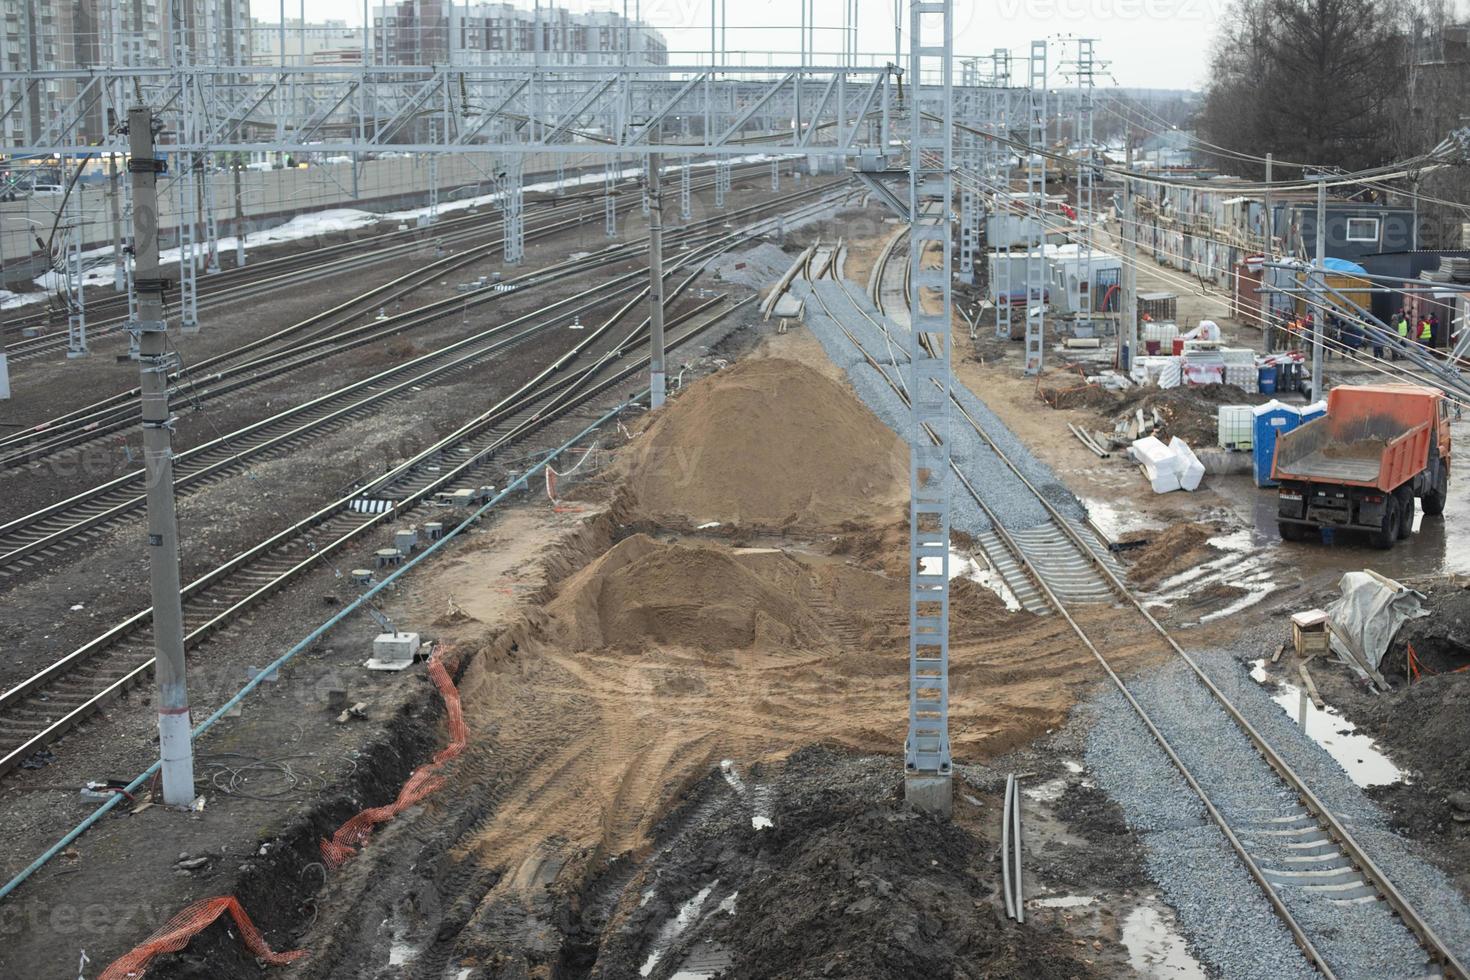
pixel 1309 632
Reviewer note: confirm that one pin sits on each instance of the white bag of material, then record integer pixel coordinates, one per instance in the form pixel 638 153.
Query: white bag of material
pixel 1170 373
pixel 1161 465
pixel 1192 471
pixel 1207 330
pixel 1168 468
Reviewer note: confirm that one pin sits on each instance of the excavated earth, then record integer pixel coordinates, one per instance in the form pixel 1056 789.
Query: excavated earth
pixel 682 745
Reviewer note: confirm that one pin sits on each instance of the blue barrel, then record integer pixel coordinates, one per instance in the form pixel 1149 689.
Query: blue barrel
pixel 1270 420
pixel 1267 380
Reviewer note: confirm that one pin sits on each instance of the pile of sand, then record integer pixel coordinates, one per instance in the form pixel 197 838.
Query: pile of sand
pixel 644 593
pixel 768 443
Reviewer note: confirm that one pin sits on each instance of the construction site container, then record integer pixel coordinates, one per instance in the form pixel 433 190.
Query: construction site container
pixel 1270 420
pixel 1236 428
pixel 1363 464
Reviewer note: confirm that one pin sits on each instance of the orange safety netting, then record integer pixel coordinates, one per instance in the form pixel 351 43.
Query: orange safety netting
pixel 194 919
pixel 424 781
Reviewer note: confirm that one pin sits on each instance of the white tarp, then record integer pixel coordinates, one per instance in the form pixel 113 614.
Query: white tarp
pixel 1370 611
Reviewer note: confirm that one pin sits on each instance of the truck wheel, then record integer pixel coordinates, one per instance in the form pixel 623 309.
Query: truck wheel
pixel 1385 535
pixel 1406 516
pixel 1289 531
pixel 1433 501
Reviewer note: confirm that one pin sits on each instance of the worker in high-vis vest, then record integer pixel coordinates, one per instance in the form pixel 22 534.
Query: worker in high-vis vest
pixel 1403 328
pixel 1426 330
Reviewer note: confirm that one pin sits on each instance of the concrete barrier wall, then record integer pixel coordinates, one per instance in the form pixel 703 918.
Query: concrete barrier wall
pixel 269 198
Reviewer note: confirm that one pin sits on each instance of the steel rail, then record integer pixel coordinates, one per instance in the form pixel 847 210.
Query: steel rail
pixel 1372 874
pixel 198 634
pixel 381 246
pixel 524 410
pixel 28 535
pixel 90 422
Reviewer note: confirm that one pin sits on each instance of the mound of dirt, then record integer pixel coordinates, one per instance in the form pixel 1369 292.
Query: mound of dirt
pixel 1190 412
pixel 645 593
pixel 857 887
pixel 1174 550
pixel 1441 640
pixel 768 443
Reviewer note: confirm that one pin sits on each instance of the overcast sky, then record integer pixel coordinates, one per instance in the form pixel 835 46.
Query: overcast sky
pixel 1152 43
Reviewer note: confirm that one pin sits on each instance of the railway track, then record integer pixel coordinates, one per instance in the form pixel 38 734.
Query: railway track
pixel 44 707
pixel 1302 855
pixel 42 535
pixel 108 313
pixel 319 336
pixel 1047 545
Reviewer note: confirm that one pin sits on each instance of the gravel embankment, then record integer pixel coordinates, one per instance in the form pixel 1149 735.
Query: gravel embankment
pixel 1003 492
pixel 1219 905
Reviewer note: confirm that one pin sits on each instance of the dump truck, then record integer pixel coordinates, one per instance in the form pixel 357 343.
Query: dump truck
pixel 1361 466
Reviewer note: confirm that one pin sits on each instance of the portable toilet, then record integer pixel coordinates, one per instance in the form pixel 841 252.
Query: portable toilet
pixel 1314 411
pixel 1270 420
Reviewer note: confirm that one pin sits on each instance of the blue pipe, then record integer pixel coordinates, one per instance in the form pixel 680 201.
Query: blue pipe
pixel 316 634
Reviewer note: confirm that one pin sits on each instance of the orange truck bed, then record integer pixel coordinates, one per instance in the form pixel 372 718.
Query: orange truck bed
pixel 1372 436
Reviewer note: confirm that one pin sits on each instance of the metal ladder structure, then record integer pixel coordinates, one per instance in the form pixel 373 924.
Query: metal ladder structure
pixel 1085 72
pixel 686 189
pixel 999 119
pixel 722 181
pixel 76 320
pixel 972 160
pixel 610 197
pixel 1035 211
pixel 512 185
pixel 928 772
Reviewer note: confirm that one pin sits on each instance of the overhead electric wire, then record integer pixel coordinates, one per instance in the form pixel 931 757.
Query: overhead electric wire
pixel 1212 291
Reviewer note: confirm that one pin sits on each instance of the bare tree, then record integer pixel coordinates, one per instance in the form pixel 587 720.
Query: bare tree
pixel 1312 81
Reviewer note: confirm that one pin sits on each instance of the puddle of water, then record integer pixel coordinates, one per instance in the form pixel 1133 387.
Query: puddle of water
pixel 1047 791
pixel 1115 522
pixel 1257 588
pixel 1358 755
pixel 978 570
pixel 1063 901
pixel 1242 540
pixel 727 904
pixel 671 929
pixel 1156 949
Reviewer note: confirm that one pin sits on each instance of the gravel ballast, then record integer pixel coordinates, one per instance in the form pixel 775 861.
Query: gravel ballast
pixel 1219 905
pixel 1003 492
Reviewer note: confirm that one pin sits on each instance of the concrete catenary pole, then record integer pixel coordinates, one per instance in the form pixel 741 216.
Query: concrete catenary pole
pixel 655 286
pixel 1319 284
pixel 174 732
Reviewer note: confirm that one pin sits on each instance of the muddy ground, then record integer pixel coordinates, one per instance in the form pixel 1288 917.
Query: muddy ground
pixel 683 737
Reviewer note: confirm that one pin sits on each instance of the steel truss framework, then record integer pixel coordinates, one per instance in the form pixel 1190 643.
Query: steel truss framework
pixel 509 112
pixel 832 110
pixel 927 760
pixel 1036 272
